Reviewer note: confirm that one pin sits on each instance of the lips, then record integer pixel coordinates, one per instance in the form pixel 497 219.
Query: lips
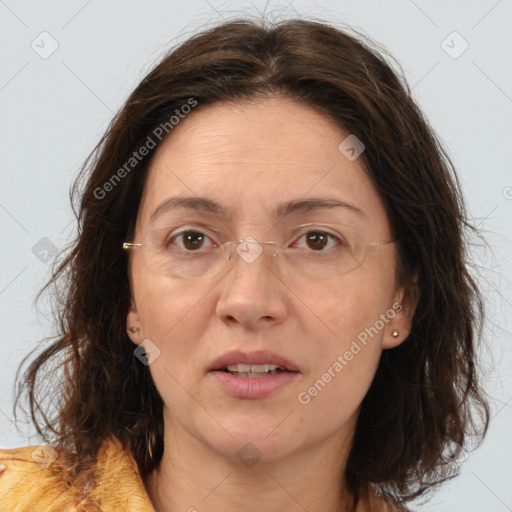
pixel 252 358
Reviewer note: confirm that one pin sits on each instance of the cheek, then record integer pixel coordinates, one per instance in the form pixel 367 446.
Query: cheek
pixel 173 318
pixel 348 308
pixel 164 308
pixel 348 343
pixel 174 321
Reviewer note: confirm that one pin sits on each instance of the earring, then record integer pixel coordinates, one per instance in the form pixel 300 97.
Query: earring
pixel 395 334
pixel 133 330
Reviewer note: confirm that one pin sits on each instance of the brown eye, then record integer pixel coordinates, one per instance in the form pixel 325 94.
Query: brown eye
pixel 318 240
pixel 191 240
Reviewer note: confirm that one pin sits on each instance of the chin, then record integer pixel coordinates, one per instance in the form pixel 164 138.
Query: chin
pixel 256 440
pixel 249 450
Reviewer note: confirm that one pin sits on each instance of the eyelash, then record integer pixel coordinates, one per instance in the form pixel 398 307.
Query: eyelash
pixel 340 240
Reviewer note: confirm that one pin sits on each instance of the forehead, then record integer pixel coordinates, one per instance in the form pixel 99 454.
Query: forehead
pixel 252 157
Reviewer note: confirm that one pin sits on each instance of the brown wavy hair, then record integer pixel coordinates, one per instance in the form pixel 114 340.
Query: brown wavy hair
pixel 425 396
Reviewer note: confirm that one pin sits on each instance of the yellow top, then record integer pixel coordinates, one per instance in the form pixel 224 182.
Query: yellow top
pixel 32 479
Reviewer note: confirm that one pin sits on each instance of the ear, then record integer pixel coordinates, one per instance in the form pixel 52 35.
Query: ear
pixel 133 327
pixel 404 306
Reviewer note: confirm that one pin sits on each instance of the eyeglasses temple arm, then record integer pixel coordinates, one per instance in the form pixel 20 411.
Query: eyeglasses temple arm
pixel 128 245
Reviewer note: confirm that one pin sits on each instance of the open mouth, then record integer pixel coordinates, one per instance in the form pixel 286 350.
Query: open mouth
pixel 253 381
pixel 253 371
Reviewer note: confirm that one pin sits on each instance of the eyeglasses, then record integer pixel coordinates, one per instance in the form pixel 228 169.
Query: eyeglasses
pixel 161 254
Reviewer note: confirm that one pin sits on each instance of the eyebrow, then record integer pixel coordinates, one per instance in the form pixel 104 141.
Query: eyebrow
pixel 207 205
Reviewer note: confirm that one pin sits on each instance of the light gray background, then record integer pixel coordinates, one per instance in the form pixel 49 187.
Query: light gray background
pixel 54 109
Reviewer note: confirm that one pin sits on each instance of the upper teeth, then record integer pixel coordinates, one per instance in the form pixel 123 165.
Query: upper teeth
pixel 255 368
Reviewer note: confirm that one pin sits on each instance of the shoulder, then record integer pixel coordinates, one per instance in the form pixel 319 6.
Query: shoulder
pixel 28 481
pixel 41 479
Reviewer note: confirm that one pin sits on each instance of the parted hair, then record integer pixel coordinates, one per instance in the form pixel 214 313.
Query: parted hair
pixel 425 398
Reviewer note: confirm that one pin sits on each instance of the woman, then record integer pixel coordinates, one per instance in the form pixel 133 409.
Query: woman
pixel 268 305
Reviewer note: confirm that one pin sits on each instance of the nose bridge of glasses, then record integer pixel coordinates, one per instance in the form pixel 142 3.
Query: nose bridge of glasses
pixel 249 249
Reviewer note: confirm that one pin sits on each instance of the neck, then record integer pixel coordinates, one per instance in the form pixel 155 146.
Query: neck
pixel 192 477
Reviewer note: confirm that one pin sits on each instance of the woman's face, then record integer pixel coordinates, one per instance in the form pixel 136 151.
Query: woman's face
pixel 249 159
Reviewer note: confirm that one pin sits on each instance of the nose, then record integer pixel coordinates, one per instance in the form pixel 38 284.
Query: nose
pixel 252 292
